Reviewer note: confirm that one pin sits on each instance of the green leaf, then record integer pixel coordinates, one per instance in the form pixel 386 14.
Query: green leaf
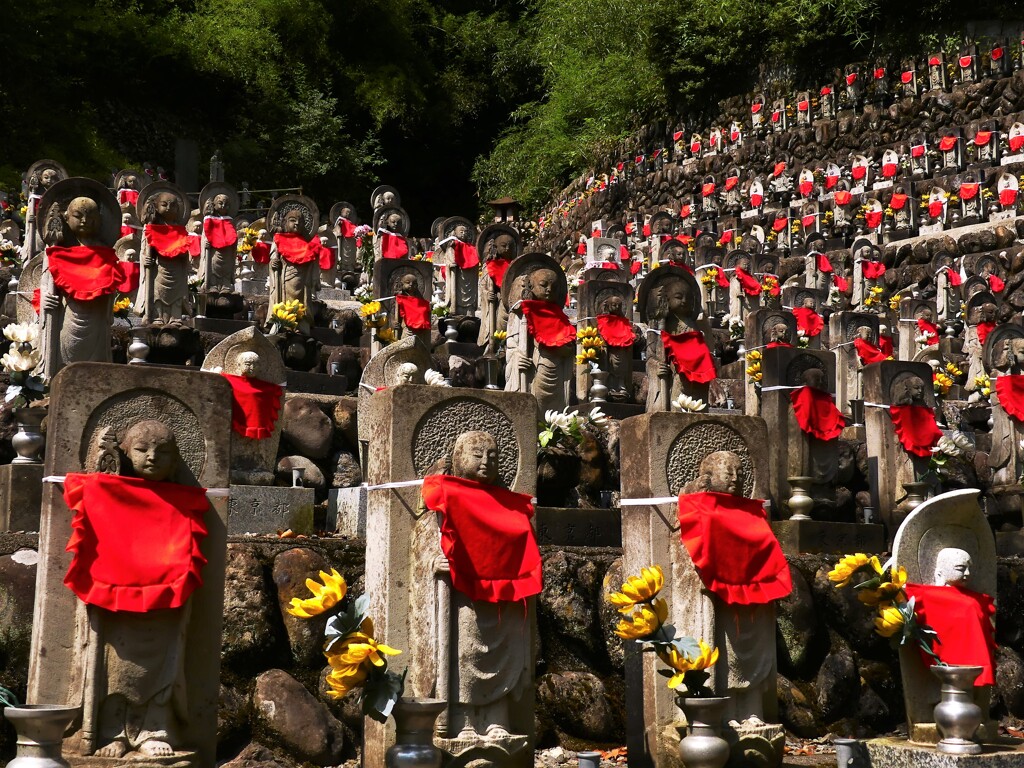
pixel 380 693
pixel 343 624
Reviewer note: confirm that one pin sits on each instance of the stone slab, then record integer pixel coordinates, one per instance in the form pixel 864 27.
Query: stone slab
pixel 317 383
pixel 346 511
pixel 900 753
pixel 814 537
pixel 269 509
pixel 221 325
pixel 578 527
pixel 617 411
pixel 21 496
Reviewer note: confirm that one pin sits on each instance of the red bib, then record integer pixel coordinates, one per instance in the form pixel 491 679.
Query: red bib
pixel 946 143
pixel 842 196
pixel 816 413
pixel 497 268
pixel 840 283
pixel 135 542
pixel 393 246
pixel 260 252
pixel 931 330
pixel 872 270
pixel 873 219
pixel 255 406
pixel 916 428
pixel 808 321
pixel 962 621
pixel 868 352
pixel 748 282
pixel 616 330
pixel 1007 197
pixel 127 197
pixel 936 208
pixel 414 311
pixel 969 191
pixel 346 228
pixel 996 284
pixel 689 355
pixel 295 249
pixel 168 240
pixel 983 330
pixel 466 256
pixel 897 201
pixel 733 548
pixel 220 232
pixel 547 323
pixel 822 263
pixel 487 538
pixel 1011 395
pixel 86 272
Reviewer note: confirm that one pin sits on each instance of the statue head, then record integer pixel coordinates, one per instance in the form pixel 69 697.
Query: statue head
pixel 129 181
pixel 925 313
pixel 475 457
pixel 865 332
pixel 221 205
pixel 166 208
pixel 406 373
pixel 150 448
pixel 291 222
pixel 675 252
pixel 909 391
pixel 542 283
pixel 408 285
pixel 808 302
pixel 461 232
pixel 952 568
pixel 345 213
pixel 613 305
pixel 48 177
pixel 393 222
pixel 816 378
pixel 83 218
pixel 675 298
pixel 504 246
pixel 722 472
pixel 248 364
pixel 780 333
pixel 386 199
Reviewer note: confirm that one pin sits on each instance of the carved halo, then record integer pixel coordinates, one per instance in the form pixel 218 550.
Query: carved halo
pixel 396 275
pixel 698 441
pixel 452 222
pixel 378 193
pixel 37 168
pixel 160 187
pixel 66 190
pixel 662 216
pixel 491 232
pixel 286 203
pixel 518 274
pixel 859 321
pixel 381 214
pixel 996 341
pixel 802 363
pixel 735 257
pixel 651 286
pixel 336 209
pixel 215 188
pixel 121 176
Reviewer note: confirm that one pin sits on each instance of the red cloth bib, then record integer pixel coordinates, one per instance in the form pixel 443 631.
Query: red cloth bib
pixel 936 208
pixel 931 330
pixel 86 272
pixel 806 187
pixel 346 228
pixel 831 181
pixel 868 352
pixel 808 321
pixel 1007 197
pixel 1016 142
pixel 962 621
pixel 946 143
pixel 888 170
pixel 885 344
pixel 135 542
pixel 722 279
pixel 414 311
pixel 393 246
pixel 872 270
pixel 487 538
pixel 917 150
pixel 295 249
pixel 873 219
pixel 255 406
pixel 707 190
pixel 260 252
pixel 168 240
pixel 127 230
pixel 840 283
pixel 616 330
pixel 916 428
pixel 969 191
pixel 756 200
pixel 859 172
pixel 497 268
pixel 731 182
pixel 983 330
pixel 127 197
pixel 748 282
pixel 822 263
pixel 981 138
pixel 689 354
pixel 1011 395
pixel 996 284
pixel 466 256
pixel 897 201
pixel 219 231
pixel 842 196
pixel 816 413
pixel 547 323
pixel 733 548
pixel 779 224
pixel 195 245
pixel 778 169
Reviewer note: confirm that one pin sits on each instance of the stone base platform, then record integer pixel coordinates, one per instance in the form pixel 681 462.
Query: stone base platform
pixel 136 760
pixel 21 496
pixel 900 753
pixel 269 509
pixel 813 537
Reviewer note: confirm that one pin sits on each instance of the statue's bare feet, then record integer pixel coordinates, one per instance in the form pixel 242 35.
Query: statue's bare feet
pixel 497 732
pixel 154 748
pixel 114 749
pixel 468 733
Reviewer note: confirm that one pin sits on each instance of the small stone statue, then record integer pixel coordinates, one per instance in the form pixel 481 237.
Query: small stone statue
pixel 294 264
pixel 164 295
pixel 498 245
pixel 220 244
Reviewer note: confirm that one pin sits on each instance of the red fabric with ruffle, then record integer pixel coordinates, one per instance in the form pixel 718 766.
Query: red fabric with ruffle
pixel 897 201
pixel 778 169
pixel 295 249
pixel 169 240
pixel 486 537
pixel 220 232
pixel 733 548
pixel 996 284
pixel 843 196
pixel 466 256
pixel 868 352
pixel 840 283
pixel 981 138
pixel 935 208
pixel 780 223
pixel 907 77
pixel 731 182
pixel 127 196
pixel 889 170
pixel 965 61
pixel 831 181
pixel 497 268
pixel 806 187
pixel 816 413
pixel 547 323
pixel 195 245
pixel 1011 395
pixel 756 200
pixel 707 190
pixel 36 299
pixel 127 230
pixel 962 620
pixel 393 246
pixel 414 311
pixel 255 406
pixel 968 191
pixel 325 257
pixel 851 78
pixel 929 329
pixel 885 344
pixel 822 263
pixel 722 279
pixel 346 228
pixel 689 355
pixel 748 282
pixel 946 143
pixel 616 330
pixel 873 219
pixel 157 565
pixel 983 330
pixel 260 252
pixel 859 172
pixel 86 272
pixel 1007 197
pixel 808 321
pixel 917 150
pixel 872 270
pixel 916 428
pixel 1016 143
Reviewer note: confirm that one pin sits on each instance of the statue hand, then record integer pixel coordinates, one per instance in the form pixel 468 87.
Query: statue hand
pixel 149 261
pixel 51 303
pixel 441 564
pixel 524 365
pixel 664 372
pixel 492 296
pixel 275 262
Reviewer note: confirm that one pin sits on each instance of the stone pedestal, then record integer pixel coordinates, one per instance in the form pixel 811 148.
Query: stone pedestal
pixel 900 753
pixel 268 509
pixel 346 511
pixel 21 496
pixel 813 537
pixel 578 527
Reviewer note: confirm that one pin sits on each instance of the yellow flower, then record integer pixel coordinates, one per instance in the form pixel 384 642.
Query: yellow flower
pixel 386 335
pixel 122 305
pixel 644 621
pixel 682 664
pixel 501 335
pixel 587 332
pixel 344 677
pixel 638 589
pixel 849 565
pixel 369 308
pixel 325 596
pixel 753 355
pixel 889 621
pixel 888 591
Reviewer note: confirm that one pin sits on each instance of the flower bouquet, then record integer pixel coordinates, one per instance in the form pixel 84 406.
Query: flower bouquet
pixel 20 362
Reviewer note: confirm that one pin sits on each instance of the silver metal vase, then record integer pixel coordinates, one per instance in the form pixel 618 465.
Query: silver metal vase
pixel 40 731
pixel 957 716
pixel 414 734
pixel 701 746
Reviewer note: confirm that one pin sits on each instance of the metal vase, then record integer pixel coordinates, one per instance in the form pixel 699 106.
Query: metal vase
pixel 957 716
pixel 701 746
pixel 414 734
pixel 800 501
pixel 598 389
pixel 40 731
pixel 29 441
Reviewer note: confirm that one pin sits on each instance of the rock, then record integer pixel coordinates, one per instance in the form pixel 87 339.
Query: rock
pixel 17 600
pixel 567 600
pixel 837 682
pixel 345 422
pixel 347 472
pixel 291 569
pixel 846 615
pixel 576 703
pixel 799 629
pixel 462 372
pixel 307 428
pixel 233 710
pixel 312 476
pixel 614 645
pixel 257 756
pixel 1010 679
pixel 296 720
pixel 795 711
pixel 248 611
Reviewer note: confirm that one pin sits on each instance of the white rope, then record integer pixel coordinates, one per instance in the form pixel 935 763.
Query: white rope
pixel 777 389
pixel 60 479
pixel 656 501
pixel 875 405
pixel 398 484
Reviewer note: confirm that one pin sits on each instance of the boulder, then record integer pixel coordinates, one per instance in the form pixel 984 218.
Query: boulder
pixel 307 428
pixel 577 705
pixel 297 721
pixel 347 472
pixel 291 569
pixel 248 611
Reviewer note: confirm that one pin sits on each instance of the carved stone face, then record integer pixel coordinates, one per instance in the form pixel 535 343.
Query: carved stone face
pixel 386 199
pixel 612 306
pixel 808 302
pixel 677 294
pixel 461 232
pixel 346 213
pixel 220 205
pixel 925 313
pixel 475 457
pixel 606 253
pixel 952 568
pixel 292 221
pixel 151 449
pixel 780 333
pixel 674 253
pixel 393 222
pixel 725 472
pixel 865 332
pixel 504 246
pixel 168 207
pixel 408 285
pixel 83 217
pixel 542 285
pixel 406 373
pixel 48 177
pixel 814 377
pixel 913 392
pixel 130 181
pixel 248 364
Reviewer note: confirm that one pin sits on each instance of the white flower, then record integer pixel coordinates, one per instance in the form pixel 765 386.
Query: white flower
pixel 561 419
pixel 801 332
pixel 17 361
pixel 598 418
pixel 435 378
pixel 947 446
pixel 688 404
pixel 960 440
pixel 22 333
